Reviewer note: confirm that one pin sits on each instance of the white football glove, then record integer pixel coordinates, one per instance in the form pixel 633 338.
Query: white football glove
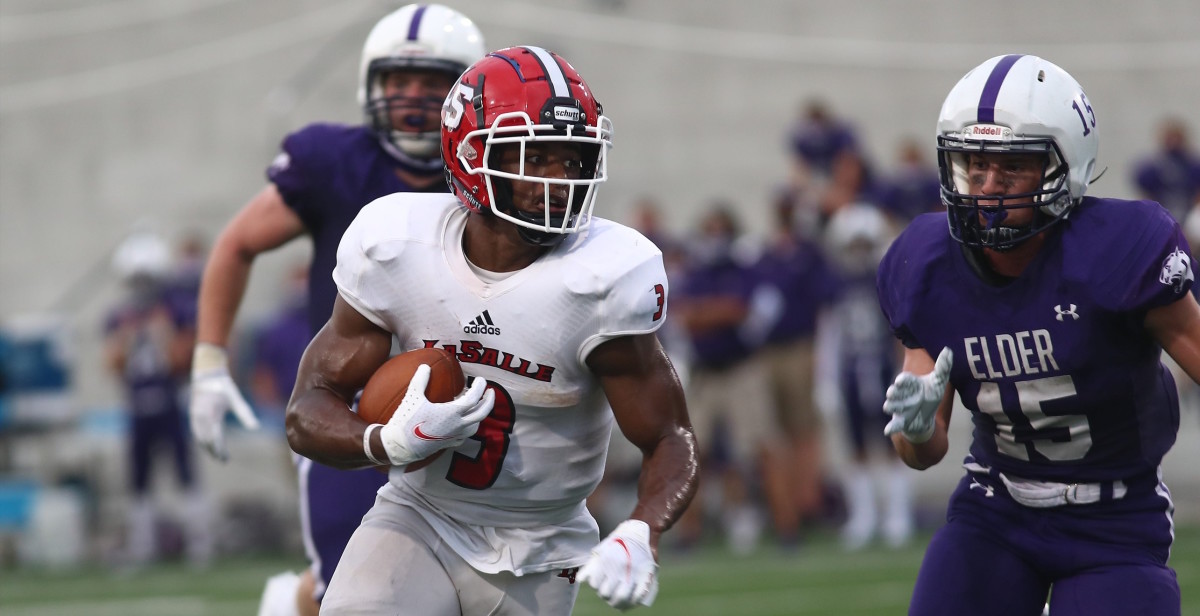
pixel 419 428
pixel 622 567
pixel 913 400
pixel 213 393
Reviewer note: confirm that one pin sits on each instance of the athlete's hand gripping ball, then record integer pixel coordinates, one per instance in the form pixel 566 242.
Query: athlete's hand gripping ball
pixel 419 428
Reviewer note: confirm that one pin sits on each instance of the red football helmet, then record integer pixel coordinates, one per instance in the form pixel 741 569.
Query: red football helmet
pixel 517 96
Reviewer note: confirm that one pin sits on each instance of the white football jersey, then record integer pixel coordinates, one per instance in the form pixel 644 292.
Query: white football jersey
pixel 523 478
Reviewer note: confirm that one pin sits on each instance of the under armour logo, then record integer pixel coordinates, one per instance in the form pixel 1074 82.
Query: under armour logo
pixel 988 491
pixel 1068 312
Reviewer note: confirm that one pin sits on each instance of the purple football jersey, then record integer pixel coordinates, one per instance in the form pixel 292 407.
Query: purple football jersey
pixel 326 174
pixel 1063 381
pixel 804 278
pixel 720 347
pixel 1171 178
pixel 281 344
pixel 150 383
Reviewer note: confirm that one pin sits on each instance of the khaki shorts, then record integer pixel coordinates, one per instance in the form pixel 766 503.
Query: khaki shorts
pixel 790 372
pixel 740 395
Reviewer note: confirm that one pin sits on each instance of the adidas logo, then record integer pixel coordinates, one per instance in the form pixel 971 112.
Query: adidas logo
pixel 482 325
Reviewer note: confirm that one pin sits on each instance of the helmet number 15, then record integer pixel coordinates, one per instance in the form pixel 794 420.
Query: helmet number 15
pixel 1091 115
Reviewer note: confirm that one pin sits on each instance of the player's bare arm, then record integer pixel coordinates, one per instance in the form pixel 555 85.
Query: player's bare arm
pixel 338 362
pixel 648 403
pixel 264 223
pixel 924 455
pixel 1176 327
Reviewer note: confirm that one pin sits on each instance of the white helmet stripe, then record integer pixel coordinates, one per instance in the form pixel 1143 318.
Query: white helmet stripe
pixel 558 81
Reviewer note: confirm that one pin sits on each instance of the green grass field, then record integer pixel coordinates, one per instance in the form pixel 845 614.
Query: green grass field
pixel 817 579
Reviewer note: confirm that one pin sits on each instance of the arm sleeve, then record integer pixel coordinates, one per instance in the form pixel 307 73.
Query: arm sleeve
pixel 301 170
pixel 891 282
pixel 360 275
pixel 1154 269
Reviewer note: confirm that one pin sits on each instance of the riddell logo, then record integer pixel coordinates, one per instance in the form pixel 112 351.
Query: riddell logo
pixel 989 131
pixel 482 325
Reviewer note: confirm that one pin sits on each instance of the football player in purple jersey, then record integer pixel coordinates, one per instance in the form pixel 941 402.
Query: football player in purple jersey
pixel 147 340
pixel 1171 175
pixel 1048 313
pixel 324 175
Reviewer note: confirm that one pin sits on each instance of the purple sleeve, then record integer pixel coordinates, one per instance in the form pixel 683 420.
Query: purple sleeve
pixel 1149 262
pixel 302 168
pixel 891 280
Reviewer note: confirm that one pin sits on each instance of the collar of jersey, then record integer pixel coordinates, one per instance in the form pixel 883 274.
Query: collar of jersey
pixel 452 234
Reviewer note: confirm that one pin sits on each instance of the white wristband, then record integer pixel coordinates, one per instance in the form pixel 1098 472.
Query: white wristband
pixel 367 444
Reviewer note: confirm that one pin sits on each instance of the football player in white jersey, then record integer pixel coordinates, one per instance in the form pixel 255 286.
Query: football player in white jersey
pixel 545 307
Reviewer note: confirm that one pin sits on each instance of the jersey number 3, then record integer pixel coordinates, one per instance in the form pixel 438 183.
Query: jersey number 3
pixel 1059 438
pixel 494 434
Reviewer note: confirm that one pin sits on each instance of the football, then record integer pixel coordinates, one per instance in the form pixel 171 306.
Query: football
pixel 387 386
pixel 385 389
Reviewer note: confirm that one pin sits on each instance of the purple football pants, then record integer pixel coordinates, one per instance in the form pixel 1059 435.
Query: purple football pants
pixel 997 557
pixel 332 504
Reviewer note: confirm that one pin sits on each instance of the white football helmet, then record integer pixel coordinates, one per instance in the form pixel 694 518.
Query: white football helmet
pixel 857 237
pixel 414 37
pixel 142 256
pixel 1015 103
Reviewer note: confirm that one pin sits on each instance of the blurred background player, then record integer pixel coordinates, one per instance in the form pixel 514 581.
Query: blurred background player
pixel 796 267
pixel 1049 312
pixel 912 188
pixel 1171 175
pixel 727 310
pixel 317 184
pixel 863 362
pixel 816 139
pixel 148 340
